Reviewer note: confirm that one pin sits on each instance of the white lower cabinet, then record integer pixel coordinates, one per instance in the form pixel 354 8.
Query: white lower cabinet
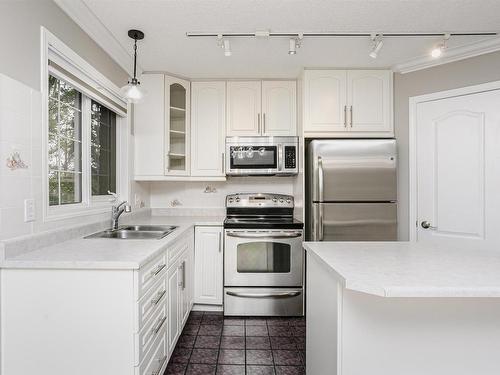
pixel 208 264
pixel 113 322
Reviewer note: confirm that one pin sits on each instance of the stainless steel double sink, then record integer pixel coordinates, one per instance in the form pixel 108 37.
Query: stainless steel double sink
pixel 136 232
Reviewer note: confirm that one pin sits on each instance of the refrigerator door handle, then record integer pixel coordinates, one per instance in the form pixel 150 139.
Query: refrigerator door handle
pixel 320 222
pixel 320 198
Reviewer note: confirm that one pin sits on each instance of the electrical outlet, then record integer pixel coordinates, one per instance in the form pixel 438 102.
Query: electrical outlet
pixel 29 210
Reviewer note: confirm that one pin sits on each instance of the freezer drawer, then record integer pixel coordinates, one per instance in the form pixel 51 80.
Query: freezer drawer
pixel 352 170
pixel 354 221
pixel 264 301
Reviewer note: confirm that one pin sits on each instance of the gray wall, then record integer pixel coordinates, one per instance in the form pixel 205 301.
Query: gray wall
pixel 20 22
pixel 463 73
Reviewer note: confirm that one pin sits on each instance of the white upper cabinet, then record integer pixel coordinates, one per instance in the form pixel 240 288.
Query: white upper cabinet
pixel 279 108
pixel 348 103
pixel 325 106
pixel 149 128
pixel 370 101
pixel 256 108
pixel 243 108
pixel 177 135
pixel 208 128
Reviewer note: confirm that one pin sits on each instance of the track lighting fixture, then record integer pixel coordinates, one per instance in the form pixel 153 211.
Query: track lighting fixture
pixel 377 44
pixel 294 43
pixel 438 50
pixel 225 44
pixel 132 90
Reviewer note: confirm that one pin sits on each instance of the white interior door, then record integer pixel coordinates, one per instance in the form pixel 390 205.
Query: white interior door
pixel 458 171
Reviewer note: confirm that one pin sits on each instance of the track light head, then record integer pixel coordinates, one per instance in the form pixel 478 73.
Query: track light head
pixel 295 43
pixel 377 44
pixel 225 44
pixel 438 50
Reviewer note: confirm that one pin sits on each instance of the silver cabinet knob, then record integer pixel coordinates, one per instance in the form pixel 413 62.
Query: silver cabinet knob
pixel 426 225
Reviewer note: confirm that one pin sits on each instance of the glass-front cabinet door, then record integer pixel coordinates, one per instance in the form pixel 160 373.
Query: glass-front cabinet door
pixel 177 101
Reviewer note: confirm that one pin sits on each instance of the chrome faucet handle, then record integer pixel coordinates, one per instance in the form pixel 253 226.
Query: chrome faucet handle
pixel 115 196
pixel 128 208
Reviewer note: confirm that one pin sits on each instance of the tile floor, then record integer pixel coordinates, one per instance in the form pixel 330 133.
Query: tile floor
pixel 211 344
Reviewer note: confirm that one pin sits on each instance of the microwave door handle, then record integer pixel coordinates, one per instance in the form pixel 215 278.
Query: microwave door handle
pixel 280 157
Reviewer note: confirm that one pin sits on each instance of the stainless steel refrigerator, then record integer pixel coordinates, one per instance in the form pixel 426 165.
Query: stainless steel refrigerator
pixel 351 190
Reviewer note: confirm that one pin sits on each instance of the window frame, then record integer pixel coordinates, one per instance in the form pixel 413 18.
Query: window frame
pixel 67 59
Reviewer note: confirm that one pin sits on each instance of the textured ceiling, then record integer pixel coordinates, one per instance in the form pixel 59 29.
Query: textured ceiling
pixel 166 47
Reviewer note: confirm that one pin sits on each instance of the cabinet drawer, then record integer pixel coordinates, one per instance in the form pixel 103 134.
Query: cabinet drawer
pixel 152 329
pixel 156 359
pixel 149 303
pixel 151 272
pixel 177 248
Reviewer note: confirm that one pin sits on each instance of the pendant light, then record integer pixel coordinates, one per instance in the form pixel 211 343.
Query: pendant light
pixel 132 90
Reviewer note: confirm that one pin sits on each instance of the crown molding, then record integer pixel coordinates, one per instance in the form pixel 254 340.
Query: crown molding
pixel 83 16
pixel 451 55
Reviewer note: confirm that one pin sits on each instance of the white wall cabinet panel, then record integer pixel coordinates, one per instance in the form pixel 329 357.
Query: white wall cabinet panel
pixel 325 103
pixel 279 108
pixel 208 128
pixel 348 103
pixel 243 108
pixel 369 100
pixel 149 127
pixel 208 265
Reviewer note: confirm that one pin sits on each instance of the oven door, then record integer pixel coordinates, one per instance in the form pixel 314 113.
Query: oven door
pixel 263 258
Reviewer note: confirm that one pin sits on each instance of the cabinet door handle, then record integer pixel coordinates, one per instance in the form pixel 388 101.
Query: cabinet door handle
pixel 258 123
pixel 223 163
pixel 264 123
pixel 220 242
pixel 350 115
pixel 158 326
pixel 345 116
pixel 183 275
pixel 158 298
pixel 158 269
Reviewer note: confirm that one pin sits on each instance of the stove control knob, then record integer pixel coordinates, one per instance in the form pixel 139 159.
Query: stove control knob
pixel 275 199
pixel 237 200
pixel 281 200
pixel 230 200
pixel 288 201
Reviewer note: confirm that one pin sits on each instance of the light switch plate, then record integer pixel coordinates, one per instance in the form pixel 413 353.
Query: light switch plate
pixel 29 210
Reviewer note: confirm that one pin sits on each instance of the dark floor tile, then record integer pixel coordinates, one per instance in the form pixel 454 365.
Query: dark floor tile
pixel 290 370
pixel 258 342
pixel 207 342
pixel 175 369
pixel 186 341
pixel 214 313
pixel 231 357
pixel 279 331
pixel 285 342
pixel 298 331
pixel 287 357
pixel 210 330
pixel 196 321
pixel 196 313
pixel 180 355
pixel 298 321
pixel 256 331
pixel 233 331
pixel 259 357
pixel 232 342
pixel 191 329
pixel 260 370
pixel 255 322
pixel 230 370
pixel 300 341
pixel 206 356
pixel 278 321
pixel 212 319
pixel 303 357
pixel 234 322
pixel 199 369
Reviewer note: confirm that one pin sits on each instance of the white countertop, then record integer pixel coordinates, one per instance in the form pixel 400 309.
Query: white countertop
pixel 104 253
pixel 404 269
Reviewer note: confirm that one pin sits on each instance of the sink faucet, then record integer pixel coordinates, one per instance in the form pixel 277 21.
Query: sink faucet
pixel 117 210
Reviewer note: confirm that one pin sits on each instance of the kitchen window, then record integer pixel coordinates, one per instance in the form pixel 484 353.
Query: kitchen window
pixel 86 135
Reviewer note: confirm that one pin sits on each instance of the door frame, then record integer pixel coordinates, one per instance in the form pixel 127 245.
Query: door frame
pixel 412 142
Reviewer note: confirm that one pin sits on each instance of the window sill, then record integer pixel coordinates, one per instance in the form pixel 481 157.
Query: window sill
pixel 60 213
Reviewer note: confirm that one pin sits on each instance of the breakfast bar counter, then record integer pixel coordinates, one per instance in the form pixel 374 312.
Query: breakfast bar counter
pixel 401 308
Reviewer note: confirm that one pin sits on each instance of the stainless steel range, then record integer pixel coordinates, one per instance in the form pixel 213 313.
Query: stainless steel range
pixel 263 256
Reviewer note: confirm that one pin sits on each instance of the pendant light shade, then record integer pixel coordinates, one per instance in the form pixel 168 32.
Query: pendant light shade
pixel 132 90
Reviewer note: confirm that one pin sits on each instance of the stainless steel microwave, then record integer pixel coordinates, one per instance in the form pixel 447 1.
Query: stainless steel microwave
pixel 260 156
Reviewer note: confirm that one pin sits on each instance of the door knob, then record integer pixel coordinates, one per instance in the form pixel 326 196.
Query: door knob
pixel 426 225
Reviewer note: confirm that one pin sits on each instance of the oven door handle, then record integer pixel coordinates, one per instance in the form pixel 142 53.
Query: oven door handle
pixel 264 295
pixel 264 235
